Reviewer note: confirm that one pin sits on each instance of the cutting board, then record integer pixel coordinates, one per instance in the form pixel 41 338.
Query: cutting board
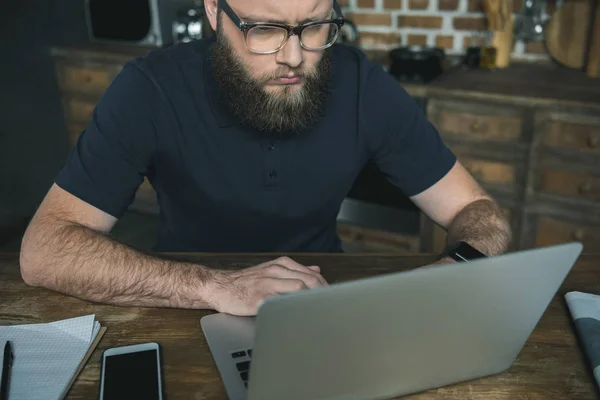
pixel 593 61
pixel 501 21
pixel 567 33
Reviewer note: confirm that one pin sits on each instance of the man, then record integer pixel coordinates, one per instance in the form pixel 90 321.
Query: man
pixel 252 143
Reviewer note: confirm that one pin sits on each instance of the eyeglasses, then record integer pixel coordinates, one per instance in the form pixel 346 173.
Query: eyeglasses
pixel 269 37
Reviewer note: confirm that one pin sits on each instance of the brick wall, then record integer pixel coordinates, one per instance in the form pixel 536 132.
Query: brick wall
pixel 450 24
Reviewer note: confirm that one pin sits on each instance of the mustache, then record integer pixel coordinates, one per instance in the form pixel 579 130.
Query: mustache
pixel 284 73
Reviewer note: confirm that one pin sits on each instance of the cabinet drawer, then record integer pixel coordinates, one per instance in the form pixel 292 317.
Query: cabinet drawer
pixel 78 110
pixel 85 79
pixel 480 126
pixel 476 121
pixel 572 132
pixel 490 172
pixel 551 231
pixel 356 239
pixel 570 184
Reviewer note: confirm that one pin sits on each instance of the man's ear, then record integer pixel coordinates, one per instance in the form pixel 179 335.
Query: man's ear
pixel 210 6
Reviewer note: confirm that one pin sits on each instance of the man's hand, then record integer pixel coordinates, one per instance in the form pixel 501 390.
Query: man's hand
pixel 240 292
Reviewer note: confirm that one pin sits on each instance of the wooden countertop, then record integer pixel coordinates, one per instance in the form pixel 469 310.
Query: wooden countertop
pixel 525 83
pixel 551 366
pixel 522 82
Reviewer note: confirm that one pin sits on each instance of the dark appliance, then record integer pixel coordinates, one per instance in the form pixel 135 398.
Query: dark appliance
pixel 419 64
pixel 134 22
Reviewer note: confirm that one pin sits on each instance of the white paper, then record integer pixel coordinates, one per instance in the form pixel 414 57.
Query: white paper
pixel 583 305
pixel 46 356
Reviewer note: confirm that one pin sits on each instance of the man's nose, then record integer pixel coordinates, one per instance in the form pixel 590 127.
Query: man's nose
pixel 291 53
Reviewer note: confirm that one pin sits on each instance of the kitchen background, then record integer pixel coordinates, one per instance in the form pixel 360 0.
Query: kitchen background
pixel 452 25
pixel 512 85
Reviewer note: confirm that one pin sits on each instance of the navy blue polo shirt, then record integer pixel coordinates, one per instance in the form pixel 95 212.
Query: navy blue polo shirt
pixel 223 187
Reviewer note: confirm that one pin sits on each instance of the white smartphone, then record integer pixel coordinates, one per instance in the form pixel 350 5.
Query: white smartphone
pixel 131 372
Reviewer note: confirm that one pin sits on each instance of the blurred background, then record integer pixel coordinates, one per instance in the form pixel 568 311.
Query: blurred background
pixel 512 85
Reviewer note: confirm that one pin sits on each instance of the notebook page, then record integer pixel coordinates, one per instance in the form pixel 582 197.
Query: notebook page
pixel 46 356
pixel 585 312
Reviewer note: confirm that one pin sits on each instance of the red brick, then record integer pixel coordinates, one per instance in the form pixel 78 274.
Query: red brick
pixel 392 4
pixel 445 42
pixel 418 4
pixel 366 3
pixel 470 23
pixel 447 5
pixel 370 39
pixel 417 40
pixel 370 19
pixel 475 6
pixel 419 21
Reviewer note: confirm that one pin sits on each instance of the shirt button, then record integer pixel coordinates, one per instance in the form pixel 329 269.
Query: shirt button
pixel 273 174
pixel 271 146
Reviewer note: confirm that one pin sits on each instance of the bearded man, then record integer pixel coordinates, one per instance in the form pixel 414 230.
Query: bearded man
pixel 251 141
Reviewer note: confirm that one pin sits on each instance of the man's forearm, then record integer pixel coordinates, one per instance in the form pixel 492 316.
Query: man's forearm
pixel 482 225
pixel 78 261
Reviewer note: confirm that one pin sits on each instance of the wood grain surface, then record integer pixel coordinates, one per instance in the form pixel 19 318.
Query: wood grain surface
pixel 523 84
pixel 551 366
pixel 593 62
pixel 567 33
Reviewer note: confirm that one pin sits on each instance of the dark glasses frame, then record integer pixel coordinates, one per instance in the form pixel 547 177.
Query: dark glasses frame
pixel 290 29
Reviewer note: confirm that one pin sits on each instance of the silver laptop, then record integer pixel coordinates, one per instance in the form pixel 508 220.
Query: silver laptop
pixel 391 335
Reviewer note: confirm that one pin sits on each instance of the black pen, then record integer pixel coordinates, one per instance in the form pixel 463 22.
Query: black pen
pixel 6 366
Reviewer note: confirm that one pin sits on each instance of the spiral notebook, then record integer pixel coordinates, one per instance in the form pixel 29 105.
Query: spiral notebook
pixel 48 357
pixel 585 311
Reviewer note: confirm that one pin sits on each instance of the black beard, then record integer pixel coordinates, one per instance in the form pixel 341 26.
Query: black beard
pixel 247 99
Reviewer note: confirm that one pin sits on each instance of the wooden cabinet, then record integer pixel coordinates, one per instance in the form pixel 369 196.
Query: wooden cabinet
pixel 475 121
pixel 86 78
pixel 551 230
pixel 534 148
pixel 571 131
pixel 564 192
pixel 366 240
pixel 570 184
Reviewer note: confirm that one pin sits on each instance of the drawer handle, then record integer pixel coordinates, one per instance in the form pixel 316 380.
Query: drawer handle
pixel 593 141
pixel 585 188
pixel 87 79
pixel 578 234
pixel 474 127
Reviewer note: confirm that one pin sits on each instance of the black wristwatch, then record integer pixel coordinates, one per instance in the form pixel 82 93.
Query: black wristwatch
pixel 462 251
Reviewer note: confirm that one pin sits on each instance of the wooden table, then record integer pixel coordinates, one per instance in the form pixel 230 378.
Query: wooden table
pixel 551 366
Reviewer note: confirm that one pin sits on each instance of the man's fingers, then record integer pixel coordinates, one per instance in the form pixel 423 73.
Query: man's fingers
pixel 293 265
pixel 289 285
pixel 311 279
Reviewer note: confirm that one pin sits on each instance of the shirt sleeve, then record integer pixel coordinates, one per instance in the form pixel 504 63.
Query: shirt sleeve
pixel 114 152
pixel 405 146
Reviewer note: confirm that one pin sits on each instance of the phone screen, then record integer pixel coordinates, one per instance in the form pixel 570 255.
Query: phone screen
pixel 131 376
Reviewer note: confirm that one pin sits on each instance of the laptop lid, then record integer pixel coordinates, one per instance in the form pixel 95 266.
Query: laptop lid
pixel 405 332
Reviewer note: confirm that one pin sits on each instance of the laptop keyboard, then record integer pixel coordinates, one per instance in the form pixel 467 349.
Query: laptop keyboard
pixel 242 360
